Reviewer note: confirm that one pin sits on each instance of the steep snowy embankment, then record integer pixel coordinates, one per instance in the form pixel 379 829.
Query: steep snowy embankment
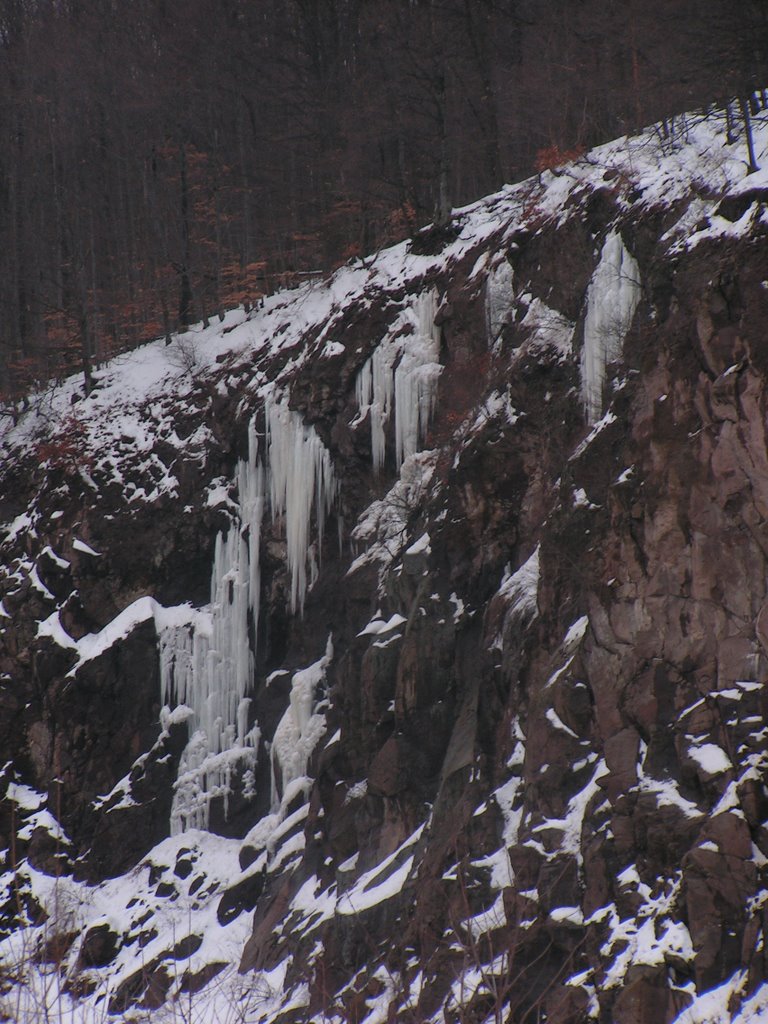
pixel 397 650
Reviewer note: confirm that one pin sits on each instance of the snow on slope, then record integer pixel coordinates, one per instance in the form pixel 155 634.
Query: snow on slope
pixel 138 400
pixel 138 393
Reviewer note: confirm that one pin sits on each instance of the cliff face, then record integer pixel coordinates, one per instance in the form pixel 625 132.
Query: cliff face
pixel 426 607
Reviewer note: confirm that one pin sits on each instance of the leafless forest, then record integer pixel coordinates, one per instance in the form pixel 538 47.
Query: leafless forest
pixel 161 160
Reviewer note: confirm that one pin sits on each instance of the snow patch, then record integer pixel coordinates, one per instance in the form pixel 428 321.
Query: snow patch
pixel 711 758
pixel 86 549
pixel 377 625
pixel 519 592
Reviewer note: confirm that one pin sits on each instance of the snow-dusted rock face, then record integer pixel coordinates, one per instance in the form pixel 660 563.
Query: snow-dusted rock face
pixel 403 655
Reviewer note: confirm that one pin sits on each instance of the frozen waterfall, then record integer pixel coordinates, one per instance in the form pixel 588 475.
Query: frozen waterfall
pixel 402 373
pixel 612 299
pixel 207 664
pixel 300 478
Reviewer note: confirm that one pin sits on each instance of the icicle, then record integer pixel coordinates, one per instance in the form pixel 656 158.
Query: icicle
pixel 300 477
pixel 208 664
pixel 382 398
pixel 251 488
pixel 402 373
pixel 364 386
pixel 183 652
pixel 242 719
pixel 612 299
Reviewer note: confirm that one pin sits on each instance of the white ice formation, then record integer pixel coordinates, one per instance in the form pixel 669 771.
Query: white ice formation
pixel 402 373
pixel 548 328
pixel 300 477
pixel 300 728
pixel 612 299
pixel 499 300
pixel 207 664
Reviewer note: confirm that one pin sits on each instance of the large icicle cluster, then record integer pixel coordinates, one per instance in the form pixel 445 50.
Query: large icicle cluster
pixel 300 477
pixel 207 664
pixel 612 299
pixel 402 372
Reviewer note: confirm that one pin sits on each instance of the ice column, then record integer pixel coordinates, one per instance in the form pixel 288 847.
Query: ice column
pixel 402 373
pixel 375 391
pixel 499 299
pixel 301 479
pixel 208 664
pixel 612 299
pixel 252 492
pixel 416 380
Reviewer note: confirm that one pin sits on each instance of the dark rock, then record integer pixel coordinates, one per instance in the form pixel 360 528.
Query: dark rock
pixel 645 997
pixel 391 768
pixel 183 867
pixel 734 207
pixel 192 982
pixel 100 946
pixel 240 897
pixel 48 853
pixel 186 947
pixel 55 948
pixel 433 239
pixel 146 987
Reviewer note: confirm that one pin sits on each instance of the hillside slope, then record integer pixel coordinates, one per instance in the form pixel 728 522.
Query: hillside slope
pixel 397 651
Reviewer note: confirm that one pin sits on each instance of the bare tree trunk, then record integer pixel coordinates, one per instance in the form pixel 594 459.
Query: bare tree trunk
pixel 96 314
pixel 85 350
pixel 443 205
pixel 185 293
pixel 752 165
pixel 488 100
pixel 730 131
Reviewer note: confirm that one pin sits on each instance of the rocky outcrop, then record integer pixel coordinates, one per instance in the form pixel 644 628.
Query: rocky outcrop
pixel 525 777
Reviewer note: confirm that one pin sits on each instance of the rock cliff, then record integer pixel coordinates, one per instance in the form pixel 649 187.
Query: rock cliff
pixel 397 651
